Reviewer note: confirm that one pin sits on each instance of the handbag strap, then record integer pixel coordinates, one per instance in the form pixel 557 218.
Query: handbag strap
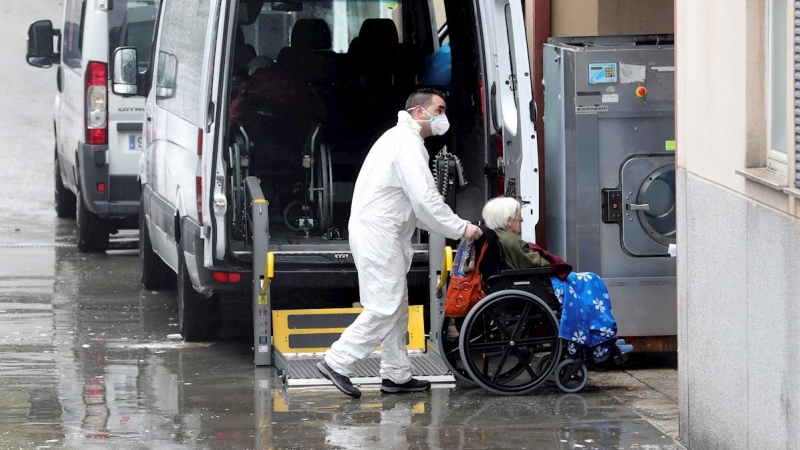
pixel 480 257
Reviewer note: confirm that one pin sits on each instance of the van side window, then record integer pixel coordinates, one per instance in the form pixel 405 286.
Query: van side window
pixel 72 37
pixel 183 38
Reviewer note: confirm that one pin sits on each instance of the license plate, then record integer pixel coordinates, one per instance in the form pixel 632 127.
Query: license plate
pixel 135 141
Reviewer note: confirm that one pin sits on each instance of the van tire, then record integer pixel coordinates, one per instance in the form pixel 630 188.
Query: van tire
pixel 64 198
pixel 92 230
pixel 154 273
pixel 198 316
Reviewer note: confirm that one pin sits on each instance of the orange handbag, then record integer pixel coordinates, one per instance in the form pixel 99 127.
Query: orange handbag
pixel 465 292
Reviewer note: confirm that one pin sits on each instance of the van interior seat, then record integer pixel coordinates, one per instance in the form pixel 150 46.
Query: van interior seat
pixel 380 84
pixel 312 60
pixel 309 51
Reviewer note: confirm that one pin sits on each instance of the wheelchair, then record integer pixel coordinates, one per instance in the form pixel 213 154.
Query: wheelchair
pixel 508 343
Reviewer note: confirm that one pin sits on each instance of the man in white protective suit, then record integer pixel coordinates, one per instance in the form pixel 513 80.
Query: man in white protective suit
pixel 394 194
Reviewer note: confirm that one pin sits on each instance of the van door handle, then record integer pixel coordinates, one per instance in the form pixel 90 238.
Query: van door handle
pixel 637 207
pixel 493 106
pixel 148 116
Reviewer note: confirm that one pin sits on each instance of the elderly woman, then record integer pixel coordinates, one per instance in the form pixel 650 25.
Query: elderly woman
pixel 586 318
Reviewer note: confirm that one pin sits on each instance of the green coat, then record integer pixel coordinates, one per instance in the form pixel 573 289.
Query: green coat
pixel 517 254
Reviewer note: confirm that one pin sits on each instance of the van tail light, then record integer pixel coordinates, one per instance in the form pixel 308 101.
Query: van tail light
pixel 227 277
pixel 198 184
pixel 96 103
pixel 501 180
pixel 198 180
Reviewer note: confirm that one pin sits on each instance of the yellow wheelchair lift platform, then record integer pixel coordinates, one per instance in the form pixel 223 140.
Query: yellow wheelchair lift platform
pixel 300 337
pixel 294 341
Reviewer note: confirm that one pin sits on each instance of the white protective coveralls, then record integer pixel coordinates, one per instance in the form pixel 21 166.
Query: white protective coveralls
pixel 394 194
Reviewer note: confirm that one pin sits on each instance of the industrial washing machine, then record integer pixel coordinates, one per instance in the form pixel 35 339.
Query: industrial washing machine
pixel 610 171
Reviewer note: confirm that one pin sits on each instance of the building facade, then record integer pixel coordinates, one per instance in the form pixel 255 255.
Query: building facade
pixel 738 188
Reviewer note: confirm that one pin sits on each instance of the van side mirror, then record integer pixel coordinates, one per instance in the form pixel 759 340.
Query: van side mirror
pixel 167 75
pixel 40 44
pixel 126 71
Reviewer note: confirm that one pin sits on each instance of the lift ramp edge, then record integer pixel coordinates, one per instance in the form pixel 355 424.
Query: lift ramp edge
pixel 302 370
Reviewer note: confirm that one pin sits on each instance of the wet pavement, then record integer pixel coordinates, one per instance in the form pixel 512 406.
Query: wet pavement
pixel 86 362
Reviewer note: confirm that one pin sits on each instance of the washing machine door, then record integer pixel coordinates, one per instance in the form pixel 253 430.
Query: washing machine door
pixel 648 190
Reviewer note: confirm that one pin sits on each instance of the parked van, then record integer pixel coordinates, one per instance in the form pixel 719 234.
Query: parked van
pixel 285 98
pixel 98 135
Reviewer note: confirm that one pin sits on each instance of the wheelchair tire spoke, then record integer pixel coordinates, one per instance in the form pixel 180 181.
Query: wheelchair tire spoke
pixel 523 317
pixel 498 325
pixel 489 345
pixel 536 342
pixel 500 365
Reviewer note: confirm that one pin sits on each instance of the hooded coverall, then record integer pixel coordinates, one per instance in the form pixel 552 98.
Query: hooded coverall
pixel 394 194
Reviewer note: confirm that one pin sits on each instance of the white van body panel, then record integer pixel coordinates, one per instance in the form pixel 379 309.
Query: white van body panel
pixel 171 164
pixel 214 201
pixel 125 145
pixel 71 110
pixel 504 39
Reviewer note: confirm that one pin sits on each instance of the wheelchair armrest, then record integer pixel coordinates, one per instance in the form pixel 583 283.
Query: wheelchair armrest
pixel 526 272
pixel 521 273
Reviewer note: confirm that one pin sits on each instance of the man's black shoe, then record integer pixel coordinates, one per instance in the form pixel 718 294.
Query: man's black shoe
pixel 340 381
pixel 412 385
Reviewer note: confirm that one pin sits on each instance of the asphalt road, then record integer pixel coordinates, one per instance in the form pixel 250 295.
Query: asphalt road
pixel 86 362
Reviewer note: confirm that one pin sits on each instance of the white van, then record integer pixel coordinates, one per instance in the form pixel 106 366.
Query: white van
pixel 359 60
pixel 98 135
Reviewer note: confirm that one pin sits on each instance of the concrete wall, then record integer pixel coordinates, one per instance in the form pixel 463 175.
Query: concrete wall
pixel 739 321
pixel 738 239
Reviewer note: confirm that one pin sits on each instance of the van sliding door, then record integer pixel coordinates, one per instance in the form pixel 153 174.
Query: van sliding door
pixel 510 95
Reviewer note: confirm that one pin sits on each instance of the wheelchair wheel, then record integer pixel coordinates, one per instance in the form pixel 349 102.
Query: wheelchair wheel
pixel 568 381
pixel 291 215
pixel 323 196
pixel 449 351
pixel 504 337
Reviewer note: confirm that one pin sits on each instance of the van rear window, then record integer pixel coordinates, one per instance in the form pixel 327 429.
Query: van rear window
pixel 131 23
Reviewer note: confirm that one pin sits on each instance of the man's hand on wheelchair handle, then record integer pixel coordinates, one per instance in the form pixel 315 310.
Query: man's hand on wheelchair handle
pixel 472 232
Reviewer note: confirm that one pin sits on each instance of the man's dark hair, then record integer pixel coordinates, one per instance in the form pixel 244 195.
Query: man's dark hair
pixel 423 97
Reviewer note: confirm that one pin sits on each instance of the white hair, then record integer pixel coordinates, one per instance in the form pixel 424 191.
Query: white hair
pixel 498 211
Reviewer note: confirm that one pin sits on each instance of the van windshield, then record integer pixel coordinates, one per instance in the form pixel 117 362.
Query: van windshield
pixel 131 23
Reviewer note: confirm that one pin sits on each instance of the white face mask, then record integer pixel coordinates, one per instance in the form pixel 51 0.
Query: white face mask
pixel 439 124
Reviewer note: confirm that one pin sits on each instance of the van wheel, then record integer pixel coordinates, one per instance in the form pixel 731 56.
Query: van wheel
pixel 64 198
pixel 154 273
pixel 92 230
pixel 197 316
